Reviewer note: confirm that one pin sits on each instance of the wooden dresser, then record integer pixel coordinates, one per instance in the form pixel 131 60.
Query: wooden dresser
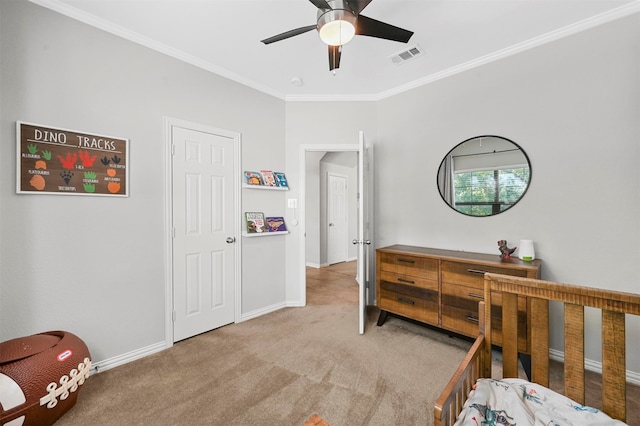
pixel 443 287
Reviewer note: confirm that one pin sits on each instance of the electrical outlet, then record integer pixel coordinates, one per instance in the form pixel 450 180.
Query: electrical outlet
pixel 292 203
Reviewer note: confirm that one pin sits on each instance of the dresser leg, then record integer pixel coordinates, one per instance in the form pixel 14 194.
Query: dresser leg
pixel 382 318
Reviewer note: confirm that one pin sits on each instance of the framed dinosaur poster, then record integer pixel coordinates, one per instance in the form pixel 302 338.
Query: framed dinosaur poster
pixel 70 162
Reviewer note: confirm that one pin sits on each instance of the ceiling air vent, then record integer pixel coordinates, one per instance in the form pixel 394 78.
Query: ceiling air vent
pixel 406 55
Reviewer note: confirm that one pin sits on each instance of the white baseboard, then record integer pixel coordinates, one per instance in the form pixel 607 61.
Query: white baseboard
pixel 259 312
pixel 595 366
pixel 324 265
pixel 268 309
pixel 109 363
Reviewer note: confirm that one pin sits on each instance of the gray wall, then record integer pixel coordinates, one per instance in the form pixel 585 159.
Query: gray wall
pixel 96 265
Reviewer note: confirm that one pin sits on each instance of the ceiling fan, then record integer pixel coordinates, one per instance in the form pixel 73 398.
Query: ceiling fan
pixel 338 21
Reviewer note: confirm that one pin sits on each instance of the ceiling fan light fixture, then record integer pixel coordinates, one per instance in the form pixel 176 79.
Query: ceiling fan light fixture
pixel 337 27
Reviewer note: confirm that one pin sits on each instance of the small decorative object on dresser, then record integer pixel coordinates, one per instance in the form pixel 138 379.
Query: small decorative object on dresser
pixel 526 251
pixel 505 252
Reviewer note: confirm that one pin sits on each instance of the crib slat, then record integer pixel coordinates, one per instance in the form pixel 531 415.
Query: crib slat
pixel 613 364
pixel 574 352
pixel 509 335
pixel 486 357
pixel 540 341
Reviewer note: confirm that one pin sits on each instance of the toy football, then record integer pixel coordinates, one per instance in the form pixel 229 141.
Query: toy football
pixel 40 377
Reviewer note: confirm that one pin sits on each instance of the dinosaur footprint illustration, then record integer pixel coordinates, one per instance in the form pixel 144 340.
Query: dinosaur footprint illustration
pixel 66 176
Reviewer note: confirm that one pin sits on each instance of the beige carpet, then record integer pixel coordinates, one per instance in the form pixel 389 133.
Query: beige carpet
pixel 281 369
pixel 288 366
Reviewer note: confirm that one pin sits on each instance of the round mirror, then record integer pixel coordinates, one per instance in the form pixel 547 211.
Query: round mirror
pixel 484 176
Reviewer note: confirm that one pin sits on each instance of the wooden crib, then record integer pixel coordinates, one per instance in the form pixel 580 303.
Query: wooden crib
pixel 477 363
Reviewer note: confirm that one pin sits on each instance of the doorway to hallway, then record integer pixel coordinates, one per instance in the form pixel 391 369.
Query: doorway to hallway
pixel 363 238
pixel 333 285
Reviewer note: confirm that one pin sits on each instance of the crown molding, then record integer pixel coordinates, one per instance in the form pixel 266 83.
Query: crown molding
pixel 331 98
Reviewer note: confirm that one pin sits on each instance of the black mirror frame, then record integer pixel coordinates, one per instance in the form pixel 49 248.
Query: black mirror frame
pixel 478 137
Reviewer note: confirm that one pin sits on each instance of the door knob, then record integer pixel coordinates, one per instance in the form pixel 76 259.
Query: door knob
pixel 231 240
pixel 367 242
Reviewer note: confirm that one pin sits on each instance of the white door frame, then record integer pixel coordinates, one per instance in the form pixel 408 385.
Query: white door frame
pixel 169 123
pixel 302 206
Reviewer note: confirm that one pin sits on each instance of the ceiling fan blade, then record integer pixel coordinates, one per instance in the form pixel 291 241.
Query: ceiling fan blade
pixel 288 34
pixel 358 6
pixel 372 28
pixel 334 57
pixel 321 4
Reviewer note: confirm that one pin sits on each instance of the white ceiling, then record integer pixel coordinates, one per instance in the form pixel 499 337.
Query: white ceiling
pixel 223 36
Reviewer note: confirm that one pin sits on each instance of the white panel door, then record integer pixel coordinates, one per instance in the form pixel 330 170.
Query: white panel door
pixel 366 252
pixel 203 225
pixel 337 221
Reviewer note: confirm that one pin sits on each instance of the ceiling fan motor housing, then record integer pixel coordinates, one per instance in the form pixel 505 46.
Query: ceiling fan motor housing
pixel 336 26
pixel 338 21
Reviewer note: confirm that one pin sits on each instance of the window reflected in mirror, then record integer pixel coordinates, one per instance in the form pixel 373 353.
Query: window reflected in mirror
pixel 484 176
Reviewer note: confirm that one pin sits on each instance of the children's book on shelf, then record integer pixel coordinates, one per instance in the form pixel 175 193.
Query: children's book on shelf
pixel 255 222
pixel 267 178
pixel 281 179
pixel 276 224
pixel 252 178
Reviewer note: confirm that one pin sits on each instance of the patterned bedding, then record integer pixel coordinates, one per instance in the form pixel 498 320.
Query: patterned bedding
pixel 519 402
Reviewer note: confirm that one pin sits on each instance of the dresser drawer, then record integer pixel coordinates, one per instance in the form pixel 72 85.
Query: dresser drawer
pixel 460 313
pixel 409 301
pixel 473 274
pixel 409 280
pixel 414 266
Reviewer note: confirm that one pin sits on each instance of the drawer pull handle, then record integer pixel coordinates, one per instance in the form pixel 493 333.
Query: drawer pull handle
pixel 406 260
pixel 408 302
pixel 472 319
pixel 402 280
pixel 475 295
pixel 476 271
